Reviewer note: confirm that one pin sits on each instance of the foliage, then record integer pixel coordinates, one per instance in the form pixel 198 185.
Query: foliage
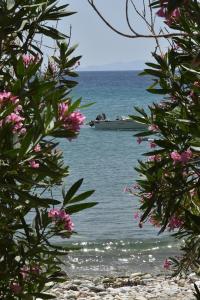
pixel 169 184
pixel 35 109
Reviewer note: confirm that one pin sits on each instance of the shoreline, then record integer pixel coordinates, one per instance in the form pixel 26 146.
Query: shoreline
pixel 137 286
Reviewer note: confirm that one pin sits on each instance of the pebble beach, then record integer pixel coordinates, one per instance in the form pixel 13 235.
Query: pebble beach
pixel 137 286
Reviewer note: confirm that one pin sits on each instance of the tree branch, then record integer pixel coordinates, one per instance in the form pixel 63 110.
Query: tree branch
pixel 135 34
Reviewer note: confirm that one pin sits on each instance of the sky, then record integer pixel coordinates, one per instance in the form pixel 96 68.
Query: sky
pixel 100 46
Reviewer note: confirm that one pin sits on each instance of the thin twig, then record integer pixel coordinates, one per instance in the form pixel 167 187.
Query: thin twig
pixel 132 36
pixel 127 19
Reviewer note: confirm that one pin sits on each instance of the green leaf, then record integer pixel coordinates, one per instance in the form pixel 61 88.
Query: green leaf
pixel 154 152
pixel 141 111
pixel 82 196
pixel 26 143
pixel 158 91
pixel 75 105
pixel 152 72
pixel 195 148
pixel 87 105
pixel 155 66
pixel 191 70
pixel 139 119
pixel 72 191
pixel 20 71
pixel 79 207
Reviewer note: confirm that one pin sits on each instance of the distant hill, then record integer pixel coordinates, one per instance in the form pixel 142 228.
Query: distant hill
pixel 118 66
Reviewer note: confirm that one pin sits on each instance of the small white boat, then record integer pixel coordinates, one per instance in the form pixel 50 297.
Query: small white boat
pixel 119 124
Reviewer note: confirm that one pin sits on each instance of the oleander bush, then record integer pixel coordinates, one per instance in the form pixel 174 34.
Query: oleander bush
pixel 36 110
pixel 168 187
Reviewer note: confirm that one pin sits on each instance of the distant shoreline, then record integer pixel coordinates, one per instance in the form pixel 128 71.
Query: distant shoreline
pixel 109 70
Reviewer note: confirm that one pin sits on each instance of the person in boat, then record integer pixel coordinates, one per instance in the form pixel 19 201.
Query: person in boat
pixel 103 116
pixel 99 117
pixel 91 123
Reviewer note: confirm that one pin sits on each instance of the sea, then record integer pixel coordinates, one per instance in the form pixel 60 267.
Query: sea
pixel 108 236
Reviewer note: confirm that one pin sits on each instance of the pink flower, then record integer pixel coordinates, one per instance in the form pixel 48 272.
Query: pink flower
pixel 34 164
pixel 37 148
pixel 62 110
pixel 152 144
pixel 126 189
pixel 15 288
pixel 54 213
pixel 69 225
pixel 136 186
pixel 27 59
pixel 182 157
pixel 173 17
pixel 174 223
pixel 193 192
pixel 156 157
pixel 153 127
pixel 161 12
pixel 18 108
pixel 4 96
pixel 73 121
pixel 61 216
pixel 148 195
pixel 166 264
pixel 175 14
pixel 186 156
pixel 22 131
pixel 175 156
pixel 24 271
pixel 139 140
pixel 14 118
pixel 136 215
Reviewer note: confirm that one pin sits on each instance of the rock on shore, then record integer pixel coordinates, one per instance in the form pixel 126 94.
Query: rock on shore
pixel 137 286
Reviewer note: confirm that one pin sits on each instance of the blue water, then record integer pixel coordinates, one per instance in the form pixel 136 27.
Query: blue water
pixel 108 233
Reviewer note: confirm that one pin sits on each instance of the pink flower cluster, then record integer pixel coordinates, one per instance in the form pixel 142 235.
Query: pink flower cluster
pixel 26 271
pixel 148 195
pixel 174 223
pixel 37 148
pixel 139 140
pixel 60 216
pixel 167 264
pixel 152 144
pixel 28 59
pixel 182 157
pixel 131 189
pixel 171 17
pixel 154 158
pixel 15 287
pixel 33 164
pixel 14 118
pixel 136 215
pixel 71 121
